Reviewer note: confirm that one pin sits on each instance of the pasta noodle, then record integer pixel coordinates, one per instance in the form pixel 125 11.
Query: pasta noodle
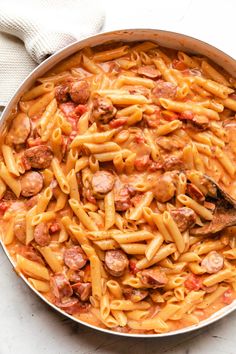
pixel 104 187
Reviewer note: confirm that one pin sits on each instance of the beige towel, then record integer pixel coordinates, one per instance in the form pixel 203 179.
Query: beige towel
pixel 43 27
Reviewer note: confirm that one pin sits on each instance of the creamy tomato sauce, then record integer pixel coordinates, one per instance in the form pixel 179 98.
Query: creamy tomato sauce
pixel 105 189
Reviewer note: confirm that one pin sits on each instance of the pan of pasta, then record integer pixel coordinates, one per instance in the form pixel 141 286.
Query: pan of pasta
pixel 118 182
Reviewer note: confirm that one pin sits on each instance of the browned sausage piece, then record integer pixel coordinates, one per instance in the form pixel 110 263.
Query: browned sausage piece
pixel 31 183
pixel 122 196
pixel 116 262
pixel 41 234
pixel 172 163
pixel 62 93
pixel 20 227
pixel 82 290
pixel 195 193
pixel 149 71
pixel 19 130
pixel 135 295
pixel 38 157
pixel 79 92
pixel 213 262
pixel 102 182
pixel 60 286
pixel 164 188
pixel 103 109
pixel 72 306
pixel 164 89
pixel 184 218
pixel 154 278
pixel 75 258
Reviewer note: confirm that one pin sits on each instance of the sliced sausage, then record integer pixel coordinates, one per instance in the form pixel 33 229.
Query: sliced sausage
pixel 164 188
pixel 102 182
pixel 31 183
pixel 60 286
pixel 20 227
pixel 172 163
pixel 153 278
pixel 141 163
pixel 135 295
pixel 82 290
pixel 184 218
pixel 72 306
pixel 75 276
pixel 122 196
pixel 62 93
pixel 79 91
pixel 103 109
pixel 116 262
pixel 164 89
pixel 41 234
pixel 19 130
pixel 39 157
pixel 149 71
pixel 75 258
pixel 195 193
pixel 213 262
pixel 30 253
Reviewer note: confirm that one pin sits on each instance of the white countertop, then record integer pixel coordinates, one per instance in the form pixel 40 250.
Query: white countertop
pixel 27 325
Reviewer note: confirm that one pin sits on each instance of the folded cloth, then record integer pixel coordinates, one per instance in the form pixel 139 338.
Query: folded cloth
pixel 45 26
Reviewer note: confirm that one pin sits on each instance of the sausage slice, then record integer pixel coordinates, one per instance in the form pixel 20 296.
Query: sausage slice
pixel 60 286
pixel 19 130
pixel 149 71
pixel 164 188
pixel 79 91
pixel 75 258
pixel 213 262
pixel 39 157
pixel 102 182
pixel 164 89
pixel 135 295
pixel 31 183
pixel 153 278
pixel 172 163
pixel 41 234
pixel 20 227
pixel 82 290
pixel 184 218
pixel 116 262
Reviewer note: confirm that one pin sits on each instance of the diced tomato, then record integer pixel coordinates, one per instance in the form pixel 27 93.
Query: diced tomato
pixel 116 123
pixel 193 282
pixel 188 115
pixel 3 207
pixel 178 65
pixel 227 297
pixel 132 266
pixel 169 116
pixel 155 166
pixel 80 109
pixel 34 142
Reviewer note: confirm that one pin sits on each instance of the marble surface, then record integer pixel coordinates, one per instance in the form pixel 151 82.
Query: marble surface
pixel 27 325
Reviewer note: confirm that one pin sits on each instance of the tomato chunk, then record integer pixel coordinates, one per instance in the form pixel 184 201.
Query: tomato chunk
pixel 193 282
pixel 178 65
